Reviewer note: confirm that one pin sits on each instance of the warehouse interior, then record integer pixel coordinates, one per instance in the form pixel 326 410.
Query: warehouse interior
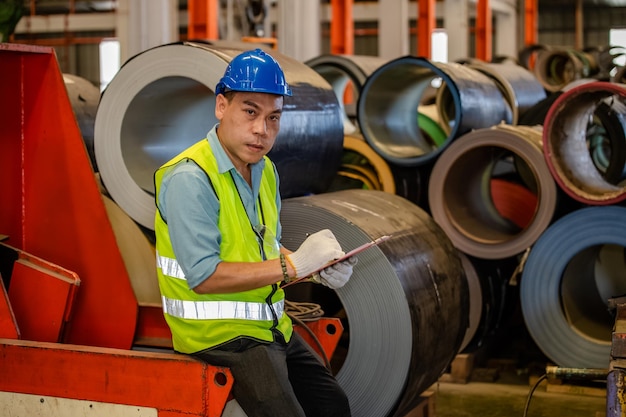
pixel 485 140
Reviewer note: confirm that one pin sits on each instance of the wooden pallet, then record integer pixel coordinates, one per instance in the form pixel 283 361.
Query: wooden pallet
pixel 561 387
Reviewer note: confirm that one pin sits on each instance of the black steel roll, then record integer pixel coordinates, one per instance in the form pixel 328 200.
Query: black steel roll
pixel 386 110
pixel 84 97
pixel 342 70
pixel 162 101
pixel 407 303
pixel 519 86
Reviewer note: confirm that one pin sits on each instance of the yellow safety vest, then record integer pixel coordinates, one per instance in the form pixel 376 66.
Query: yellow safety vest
pixel 202 321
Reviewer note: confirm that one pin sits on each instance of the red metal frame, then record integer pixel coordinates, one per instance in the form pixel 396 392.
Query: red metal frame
pixel 51 205
pixel 174 384
pixel 42 297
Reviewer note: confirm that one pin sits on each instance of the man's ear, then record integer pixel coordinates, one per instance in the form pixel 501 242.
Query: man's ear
pixel 220 106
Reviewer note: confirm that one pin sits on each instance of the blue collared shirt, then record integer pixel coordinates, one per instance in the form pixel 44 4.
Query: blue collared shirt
pixel 190 207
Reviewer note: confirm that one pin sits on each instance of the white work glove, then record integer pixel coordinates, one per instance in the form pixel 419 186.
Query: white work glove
pixel 315 252
pixel 337 275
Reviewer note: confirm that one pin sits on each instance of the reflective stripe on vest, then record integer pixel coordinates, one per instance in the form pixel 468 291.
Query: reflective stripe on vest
pixel 206 310
pixel 169 267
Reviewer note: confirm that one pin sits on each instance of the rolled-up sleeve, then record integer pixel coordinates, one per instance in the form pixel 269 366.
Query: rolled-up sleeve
pixel 191 209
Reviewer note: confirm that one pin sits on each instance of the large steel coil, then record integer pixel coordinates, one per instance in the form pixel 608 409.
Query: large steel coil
pixel 519 86
pixel 84 97
pixel 572 271
pixel 587 168
pixel 460 190
pixel 386 110
pixel 556 68
pixel 361 167
pixel 162 101
pixel 346 74
pixel 406 303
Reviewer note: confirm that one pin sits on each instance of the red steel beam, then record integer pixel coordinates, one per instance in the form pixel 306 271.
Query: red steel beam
pixel 425 26
pixel 202 19
pixel 530 22
pixel 341 27
pixel 483 30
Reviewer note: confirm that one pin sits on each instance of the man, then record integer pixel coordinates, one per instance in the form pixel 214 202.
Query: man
pixel 220 263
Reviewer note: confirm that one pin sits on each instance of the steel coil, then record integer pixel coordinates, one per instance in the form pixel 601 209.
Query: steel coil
pixel 519 86
pixel 556 68
pixel 571 272
pixel 386 110
pixel 162 101
pixel 460 190
pixel 344 72
pixel 406 303
pixel 572 158
pixel 359 156
pixel 84 97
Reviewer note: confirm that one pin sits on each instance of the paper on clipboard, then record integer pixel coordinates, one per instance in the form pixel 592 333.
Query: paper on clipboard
pixel 353 252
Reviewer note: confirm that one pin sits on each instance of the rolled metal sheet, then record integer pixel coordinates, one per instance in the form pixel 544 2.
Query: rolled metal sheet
pixel 162 100
pixel 137 253
pixel 566 148
pixel 527 57
pixel 566 282
pixel 475 301
pixel 519 86
pixel 460 190
pixel 84 97
pixel 406 303
pixel 499 299
pixel 466 100
pixel 343 72
pixel 359 152
pixel 556 68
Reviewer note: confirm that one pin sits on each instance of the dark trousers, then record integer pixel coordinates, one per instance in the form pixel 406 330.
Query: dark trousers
pixel 279 380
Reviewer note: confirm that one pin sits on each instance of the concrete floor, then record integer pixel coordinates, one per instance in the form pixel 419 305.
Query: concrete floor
pixel 493 399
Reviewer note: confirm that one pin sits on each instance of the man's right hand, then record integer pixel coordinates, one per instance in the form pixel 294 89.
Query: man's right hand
pixel 315 252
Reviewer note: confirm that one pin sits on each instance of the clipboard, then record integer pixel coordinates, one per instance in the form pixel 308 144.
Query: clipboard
pixel 353 252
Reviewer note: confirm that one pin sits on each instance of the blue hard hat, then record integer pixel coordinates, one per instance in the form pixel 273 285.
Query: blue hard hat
pixel 254 71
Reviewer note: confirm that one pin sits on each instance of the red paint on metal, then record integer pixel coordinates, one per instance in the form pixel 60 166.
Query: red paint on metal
pixel 327 330
pixel 174 384
pixel 8 325
pixel 51 205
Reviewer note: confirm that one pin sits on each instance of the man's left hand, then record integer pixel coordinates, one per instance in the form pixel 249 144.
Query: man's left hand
pixel 337 275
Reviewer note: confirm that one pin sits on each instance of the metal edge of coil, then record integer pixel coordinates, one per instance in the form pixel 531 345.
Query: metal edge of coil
pixel 137 253
pixel 458 180
pixel 339 70
pixel 541 283
pixel 385 177
pixel 520 87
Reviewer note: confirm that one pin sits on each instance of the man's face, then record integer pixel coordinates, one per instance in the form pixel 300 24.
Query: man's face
pixel 249 124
